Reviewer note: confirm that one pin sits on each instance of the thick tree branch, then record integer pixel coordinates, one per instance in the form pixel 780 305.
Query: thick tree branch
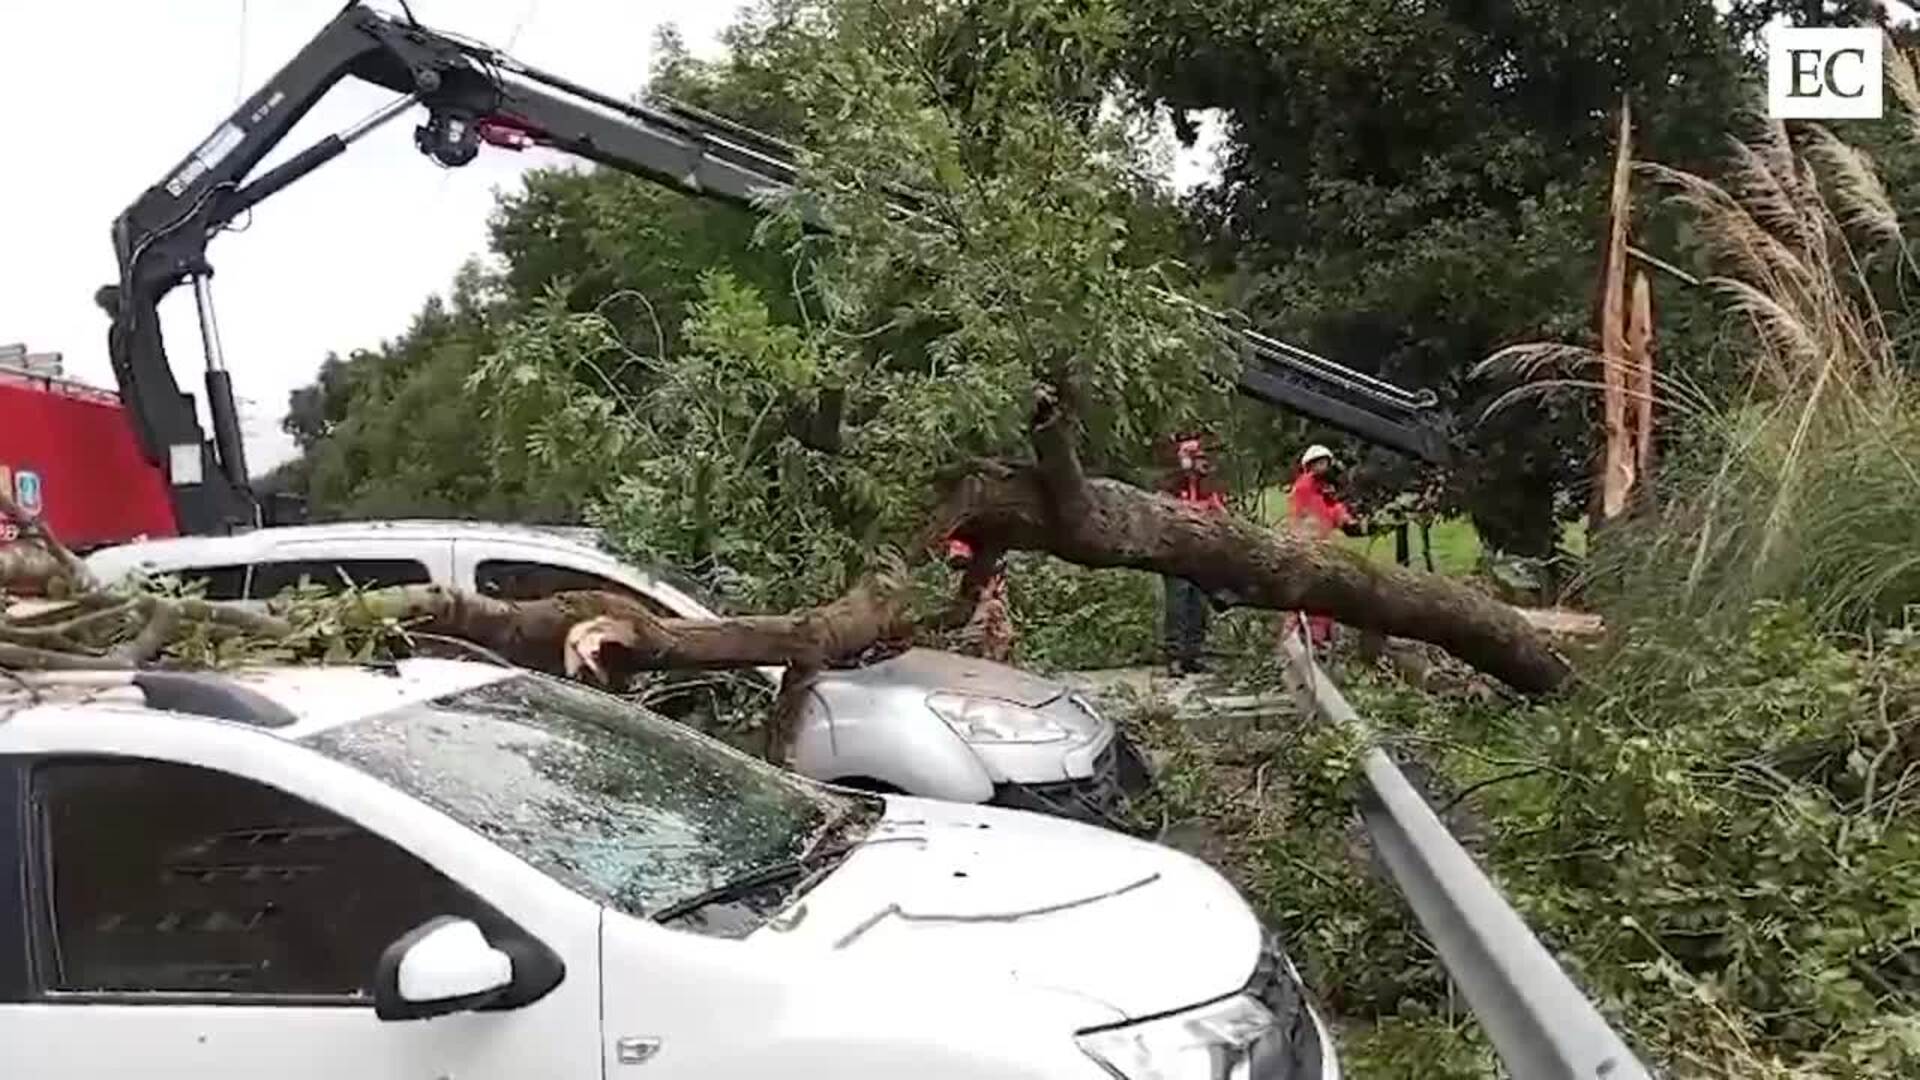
pixel 30 570
pixel 614 637
pixel 795 685
pixel 68 630
pixel 1241 563
pixel 229 616
pixel 162 624
pixel 629 638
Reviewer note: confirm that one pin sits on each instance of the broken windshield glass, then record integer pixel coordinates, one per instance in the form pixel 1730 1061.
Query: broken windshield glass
pixel 624 806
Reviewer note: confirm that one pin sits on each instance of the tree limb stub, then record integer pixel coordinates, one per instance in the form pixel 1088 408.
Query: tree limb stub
pixel 1055 434
pixel 1245 564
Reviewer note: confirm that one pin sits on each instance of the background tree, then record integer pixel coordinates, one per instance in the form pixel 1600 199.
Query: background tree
pixel 1411 187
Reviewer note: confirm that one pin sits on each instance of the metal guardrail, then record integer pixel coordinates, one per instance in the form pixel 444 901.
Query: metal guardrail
pixel 1539 1022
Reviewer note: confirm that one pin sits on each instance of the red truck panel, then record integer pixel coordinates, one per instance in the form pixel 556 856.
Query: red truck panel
pixel 78 445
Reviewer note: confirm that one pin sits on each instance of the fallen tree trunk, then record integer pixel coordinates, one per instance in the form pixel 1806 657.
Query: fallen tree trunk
pixel 1106 523
pixel 1049 506
pixel 1112 525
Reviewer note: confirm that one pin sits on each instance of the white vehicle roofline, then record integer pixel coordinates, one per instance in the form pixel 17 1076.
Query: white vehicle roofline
pixel 319 697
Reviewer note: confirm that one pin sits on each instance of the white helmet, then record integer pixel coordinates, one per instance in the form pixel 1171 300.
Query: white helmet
pixel 1315 453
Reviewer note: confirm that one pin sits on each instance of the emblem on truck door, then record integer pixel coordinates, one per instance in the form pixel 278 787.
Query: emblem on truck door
pixel 26 492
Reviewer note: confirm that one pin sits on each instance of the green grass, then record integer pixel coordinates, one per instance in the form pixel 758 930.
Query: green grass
pixel 1456 547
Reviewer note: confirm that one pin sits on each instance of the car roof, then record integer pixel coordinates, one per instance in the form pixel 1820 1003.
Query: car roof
pixel 193 552
pixel 241 546
pixel 291 702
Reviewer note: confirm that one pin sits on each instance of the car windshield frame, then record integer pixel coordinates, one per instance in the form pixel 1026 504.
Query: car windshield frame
pixel 619 804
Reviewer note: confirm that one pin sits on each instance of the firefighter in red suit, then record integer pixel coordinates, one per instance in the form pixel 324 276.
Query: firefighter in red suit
pixel 1314 506
pixel 1185 631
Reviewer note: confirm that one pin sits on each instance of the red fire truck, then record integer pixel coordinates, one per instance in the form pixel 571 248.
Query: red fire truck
pixel 68 453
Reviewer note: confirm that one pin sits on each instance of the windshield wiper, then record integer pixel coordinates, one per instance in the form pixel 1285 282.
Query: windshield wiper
pixel 819 860
pixel 828 848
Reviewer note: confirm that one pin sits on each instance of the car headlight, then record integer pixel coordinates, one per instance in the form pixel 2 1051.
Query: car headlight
pixel 1213 1042
pixel 990 720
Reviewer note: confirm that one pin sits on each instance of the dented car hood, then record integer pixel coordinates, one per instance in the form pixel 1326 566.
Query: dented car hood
pixel 1133 928
pixel 930 670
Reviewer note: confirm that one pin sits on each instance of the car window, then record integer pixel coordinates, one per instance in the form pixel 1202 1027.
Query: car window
pixel 216 582
pixel 165 877
pixel 515 579
pixel 273 578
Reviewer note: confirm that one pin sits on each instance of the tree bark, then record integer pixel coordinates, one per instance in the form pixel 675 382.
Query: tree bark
pixel 535 633
pixel 1241 563
pixel 36 563
pixel 1615 473
pixel 28 570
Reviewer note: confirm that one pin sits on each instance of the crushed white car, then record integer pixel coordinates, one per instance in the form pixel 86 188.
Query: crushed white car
pixel 926 723
pixel 447 869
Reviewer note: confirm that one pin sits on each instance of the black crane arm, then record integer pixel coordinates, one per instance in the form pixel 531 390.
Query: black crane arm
pixel 474 95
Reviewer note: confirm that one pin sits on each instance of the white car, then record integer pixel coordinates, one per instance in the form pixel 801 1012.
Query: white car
pixel 927 723
pixel 288 872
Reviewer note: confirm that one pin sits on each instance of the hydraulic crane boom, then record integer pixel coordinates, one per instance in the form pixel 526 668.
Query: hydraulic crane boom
pixel 473 95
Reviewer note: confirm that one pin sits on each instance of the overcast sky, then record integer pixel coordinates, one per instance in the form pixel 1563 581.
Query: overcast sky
pixel 104 96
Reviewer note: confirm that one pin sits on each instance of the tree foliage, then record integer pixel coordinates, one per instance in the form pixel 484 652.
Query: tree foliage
pixel 1717 829
pixel 1411 187
pixel 733 396
pixel 389 431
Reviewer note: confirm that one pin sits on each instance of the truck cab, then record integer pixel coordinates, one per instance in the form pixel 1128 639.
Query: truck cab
pixel 68 455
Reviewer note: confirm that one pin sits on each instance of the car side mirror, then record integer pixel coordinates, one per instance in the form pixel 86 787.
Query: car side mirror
pixel 442 966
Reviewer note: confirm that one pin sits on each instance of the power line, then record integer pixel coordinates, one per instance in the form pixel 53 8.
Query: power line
pixel 240 76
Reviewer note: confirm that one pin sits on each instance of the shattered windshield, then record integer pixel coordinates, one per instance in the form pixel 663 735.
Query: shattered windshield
pixel 624 806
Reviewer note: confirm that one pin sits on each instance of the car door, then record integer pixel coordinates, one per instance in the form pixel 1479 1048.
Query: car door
pixel 169 919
